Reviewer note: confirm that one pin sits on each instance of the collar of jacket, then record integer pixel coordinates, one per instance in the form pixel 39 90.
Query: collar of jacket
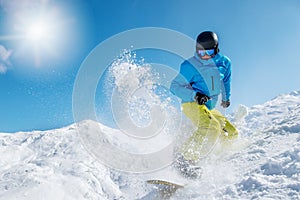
pixel 211 61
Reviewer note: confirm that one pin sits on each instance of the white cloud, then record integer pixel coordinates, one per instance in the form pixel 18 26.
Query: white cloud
pixel 4 59
pixel 4 54
pixel 3 68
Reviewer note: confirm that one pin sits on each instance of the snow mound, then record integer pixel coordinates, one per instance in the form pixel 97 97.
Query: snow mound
pixel 52 165
pixel 263 163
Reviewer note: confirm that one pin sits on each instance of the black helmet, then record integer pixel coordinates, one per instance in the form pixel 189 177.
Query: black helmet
pixel 208 40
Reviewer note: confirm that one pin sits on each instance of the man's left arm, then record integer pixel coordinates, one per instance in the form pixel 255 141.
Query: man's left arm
pixel 226 86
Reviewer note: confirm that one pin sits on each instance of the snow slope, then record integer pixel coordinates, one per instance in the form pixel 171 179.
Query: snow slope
pixel 263 163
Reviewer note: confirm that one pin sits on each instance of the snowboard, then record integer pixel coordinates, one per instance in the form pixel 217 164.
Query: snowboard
pixel 166 188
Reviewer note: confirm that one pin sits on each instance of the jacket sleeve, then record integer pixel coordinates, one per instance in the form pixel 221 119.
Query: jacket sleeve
pixel 180 86
pixel 226 90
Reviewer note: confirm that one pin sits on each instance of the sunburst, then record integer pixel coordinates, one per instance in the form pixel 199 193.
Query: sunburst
pixel 38 33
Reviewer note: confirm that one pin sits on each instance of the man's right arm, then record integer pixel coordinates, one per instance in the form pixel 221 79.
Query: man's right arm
pixel 180 85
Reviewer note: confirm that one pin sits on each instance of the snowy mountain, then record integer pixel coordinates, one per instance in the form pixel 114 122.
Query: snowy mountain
pixel 263 163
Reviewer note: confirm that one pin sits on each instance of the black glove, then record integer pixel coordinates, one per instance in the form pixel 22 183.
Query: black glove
pixel 225 104
pixel 201 98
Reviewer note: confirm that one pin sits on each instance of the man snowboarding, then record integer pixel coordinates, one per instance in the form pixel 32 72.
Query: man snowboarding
pixel 202 78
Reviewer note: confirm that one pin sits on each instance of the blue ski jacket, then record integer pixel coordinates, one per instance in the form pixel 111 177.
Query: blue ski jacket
pixel 210 77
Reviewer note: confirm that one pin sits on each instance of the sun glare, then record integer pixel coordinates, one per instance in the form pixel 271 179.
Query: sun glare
pixel 40 33
pixel 37 32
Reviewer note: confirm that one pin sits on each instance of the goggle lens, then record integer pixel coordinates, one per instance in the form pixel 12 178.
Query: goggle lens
pixel 208 52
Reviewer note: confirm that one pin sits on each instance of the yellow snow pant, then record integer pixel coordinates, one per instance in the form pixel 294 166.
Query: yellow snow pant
pixel 211 125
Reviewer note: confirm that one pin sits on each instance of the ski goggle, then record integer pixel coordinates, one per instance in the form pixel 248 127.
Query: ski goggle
pixel 208 52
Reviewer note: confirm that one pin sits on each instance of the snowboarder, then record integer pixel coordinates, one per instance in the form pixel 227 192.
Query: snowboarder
pixel 202 78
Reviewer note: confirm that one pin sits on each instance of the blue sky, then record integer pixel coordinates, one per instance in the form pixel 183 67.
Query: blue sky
pixel 38 70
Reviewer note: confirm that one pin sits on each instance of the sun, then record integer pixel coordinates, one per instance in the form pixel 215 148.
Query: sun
pixel 40 32
pixel 37 32
pixel 41 35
